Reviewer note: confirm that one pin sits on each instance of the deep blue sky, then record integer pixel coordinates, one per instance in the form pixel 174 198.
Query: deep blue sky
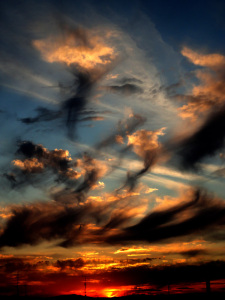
pixel 200 23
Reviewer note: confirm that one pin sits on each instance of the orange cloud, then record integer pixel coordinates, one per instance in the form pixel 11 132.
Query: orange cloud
pixel 32 165
pixel 147 140
pixel 119 139
pixel 58 159
pixel 204 60
pixel 5 213
pixel 133 250
pixel 99 185
pixel 88 165
pixel 86 49
pixel 144 141
pixel 210 93
pixel 72 174
pixel 60 153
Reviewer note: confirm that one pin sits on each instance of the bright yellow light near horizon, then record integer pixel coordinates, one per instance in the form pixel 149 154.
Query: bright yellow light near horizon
pixel 110 293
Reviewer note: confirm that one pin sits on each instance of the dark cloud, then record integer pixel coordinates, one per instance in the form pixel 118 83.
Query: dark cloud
pixel 126 80
pixel 29 149
pixel 173 274
pixel 69 263
pixel 44 221
pixel 77 103
pixel 46 115
pixel 193 253
pixel 125 89
pixel 38 156
pixel 43 115
pixel 79 175
pixel 17 264
pixel 31 264
pixel 203 211
pixel 150 159
pixel 93 112
pixel 64 220
pixel 206 141
pixel 73 106
pixel 51 221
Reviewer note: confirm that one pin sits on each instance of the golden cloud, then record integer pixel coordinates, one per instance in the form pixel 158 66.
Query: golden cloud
pixel 86 49
pixel 31 165
pixel 204 60
pixel 143 140
pixel 210 93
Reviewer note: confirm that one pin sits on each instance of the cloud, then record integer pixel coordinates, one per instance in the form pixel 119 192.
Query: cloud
pixel 23 264
pixel 193 253
pixel 76 46
pixel 67 276
pixel 106 222
pixel 76 104
pixel 213 61
pixel 31 165
pixel 119 139
pixel 36 166
pixel 94 118
pixel 125 89
pixel 70 263
pixel 38 158
pixel 94 170
pixel 43 115
pixel 145 144
pixel 205 141
pixel 35 223
pixel 187 218
pixel 88 58
pixel 125 80
pixel 123 128
pixel 78 175
pixel 164 275
pixel 126 86
pixel 209 94
pixel 144 141
pixel 66 222
pixel 86 55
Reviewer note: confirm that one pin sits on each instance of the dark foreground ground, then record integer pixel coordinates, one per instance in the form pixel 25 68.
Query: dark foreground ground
pixel 189 296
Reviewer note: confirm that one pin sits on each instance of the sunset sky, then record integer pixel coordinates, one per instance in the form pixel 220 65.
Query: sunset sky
pixel 112 121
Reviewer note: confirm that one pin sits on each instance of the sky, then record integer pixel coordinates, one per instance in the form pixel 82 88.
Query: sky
pixel 112 118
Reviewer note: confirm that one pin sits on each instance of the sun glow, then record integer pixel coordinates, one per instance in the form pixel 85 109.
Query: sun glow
pixel 113 292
